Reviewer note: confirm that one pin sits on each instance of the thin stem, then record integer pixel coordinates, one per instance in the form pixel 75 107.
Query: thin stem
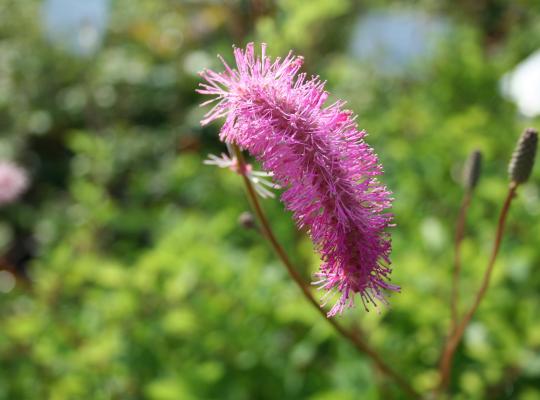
pixel 357 341
pixel 453 340
pixel 460 229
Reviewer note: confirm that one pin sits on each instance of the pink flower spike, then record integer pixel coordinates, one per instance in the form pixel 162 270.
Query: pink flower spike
pixel 318 155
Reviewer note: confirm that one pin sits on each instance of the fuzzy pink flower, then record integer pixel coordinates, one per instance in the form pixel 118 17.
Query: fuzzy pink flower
pixel 13 182
pixel 317 154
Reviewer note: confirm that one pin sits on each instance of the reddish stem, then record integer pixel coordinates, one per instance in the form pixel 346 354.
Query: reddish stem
pixel 454 339
pixel 460 229
pixel 356 340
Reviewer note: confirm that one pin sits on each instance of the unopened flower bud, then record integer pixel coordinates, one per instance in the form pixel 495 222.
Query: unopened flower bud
pixel 472 170
pixel 247 220
pixel 522 161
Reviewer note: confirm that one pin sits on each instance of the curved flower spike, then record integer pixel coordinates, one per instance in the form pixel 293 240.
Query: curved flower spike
pixel 317 154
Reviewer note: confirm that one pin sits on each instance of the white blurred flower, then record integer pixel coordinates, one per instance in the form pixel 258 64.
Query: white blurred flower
pixel 13 182
pixel 396 40
pixel 76 25
pixel 522 85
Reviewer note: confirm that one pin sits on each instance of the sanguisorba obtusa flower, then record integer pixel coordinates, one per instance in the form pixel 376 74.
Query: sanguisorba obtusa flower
pixel 319 157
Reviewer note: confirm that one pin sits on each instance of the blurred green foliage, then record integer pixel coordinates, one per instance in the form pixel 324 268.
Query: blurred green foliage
pixel 134 279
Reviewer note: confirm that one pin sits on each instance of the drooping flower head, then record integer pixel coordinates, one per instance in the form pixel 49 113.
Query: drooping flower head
pixel 13 182
pixel 317 154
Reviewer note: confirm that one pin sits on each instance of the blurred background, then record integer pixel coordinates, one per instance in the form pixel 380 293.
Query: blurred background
pixel 124 273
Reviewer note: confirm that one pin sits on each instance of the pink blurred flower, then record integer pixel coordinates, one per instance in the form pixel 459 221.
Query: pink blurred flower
pixel 13 182
pixel 316 153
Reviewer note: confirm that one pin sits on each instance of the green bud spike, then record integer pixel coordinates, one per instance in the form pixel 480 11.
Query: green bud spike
pixel 522 161
pixel 472 170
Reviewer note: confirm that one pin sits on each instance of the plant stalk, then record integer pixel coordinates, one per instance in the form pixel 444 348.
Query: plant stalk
pixel 460 229
pixel 445 366
pixel 357 341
